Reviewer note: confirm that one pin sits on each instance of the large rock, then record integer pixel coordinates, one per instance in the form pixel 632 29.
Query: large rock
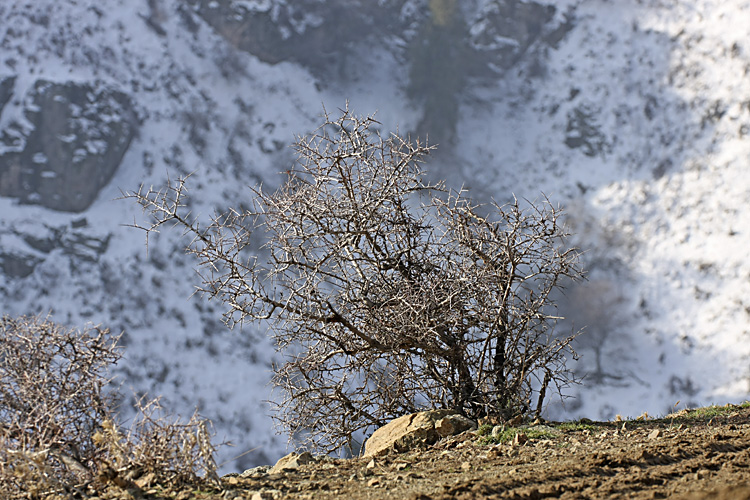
pixel 414 431
pixel 292 461
pixel 73 140
pixel 454 424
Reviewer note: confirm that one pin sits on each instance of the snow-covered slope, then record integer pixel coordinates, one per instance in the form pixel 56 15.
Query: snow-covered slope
pixel 657 191
pixel 636 118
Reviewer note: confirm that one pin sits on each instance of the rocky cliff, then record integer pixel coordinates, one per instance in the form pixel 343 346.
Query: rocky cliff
pixel 67 147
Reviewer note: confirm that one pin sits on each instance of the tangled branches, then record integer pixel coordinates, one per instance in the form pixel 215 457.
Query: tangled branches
pixel 58 436
pixel 388 294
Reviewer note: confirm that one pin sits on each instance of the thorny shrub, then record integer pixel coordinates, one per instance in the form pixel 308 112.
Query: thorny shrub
pixel 387 293
pixel 57 426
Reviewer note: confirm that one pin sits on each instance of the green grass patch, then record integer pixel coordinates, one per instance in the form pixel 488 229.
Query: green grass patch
pixel 705 413
pixel 484 430
pixel 509 434
pixel 552 430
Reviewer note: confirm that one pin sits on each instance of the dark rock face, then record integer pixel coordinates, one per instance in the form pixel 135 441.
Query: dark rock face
pixel 441 42
pixel 17 265
pixel 583 132
pixel 74 140
pixel 6 90
pixel 507 28
pixel 316 33
pixel 75 240
pixel 309 32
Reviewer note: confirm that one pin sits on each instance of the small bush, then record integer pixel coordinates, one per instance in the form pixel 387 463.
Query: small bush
pixel 58 434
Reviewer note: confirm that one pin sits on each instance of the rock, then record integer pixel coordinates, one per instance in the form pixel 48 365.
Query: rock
pixel 266 495
pixel 454 424
pixel 406 433
pixel 73 140
pixel 292 461
pixel 520 439
pixel 496 451
pixel 258 471
pixel 654 434
pixel 17 265
pixel 515 421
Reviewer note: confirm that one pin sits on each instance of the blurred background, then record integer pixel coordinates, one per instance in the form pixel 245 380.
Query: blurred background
pixel 634 115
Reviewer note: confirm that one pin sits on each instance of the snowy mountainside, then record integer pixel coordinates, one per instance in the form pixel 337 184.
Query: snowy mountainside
pixel 635 116
pixel 653 103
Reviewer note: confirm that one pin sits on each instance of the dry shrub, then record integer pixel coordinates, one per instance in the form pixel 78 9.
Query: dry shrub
pixel 51 402
pixel 388 294
pixel 58 434
pixel 157 449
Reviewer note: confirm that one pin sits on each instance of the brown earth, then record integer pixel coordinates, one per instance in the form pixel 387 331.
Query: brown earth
pixel 697 454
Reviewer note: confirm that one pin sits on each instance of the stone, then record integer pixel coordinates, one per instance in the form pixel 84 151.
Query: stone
pixel 266 495
pixel 258 471
pixel 454 424
pixel 495 452
pixel 292 461
pixel 515 421
pixel 520 439
pixel 406 433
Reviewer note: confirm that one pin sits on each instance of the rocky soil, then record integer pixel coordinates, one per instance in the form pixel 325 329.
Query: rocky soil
pixel 694 454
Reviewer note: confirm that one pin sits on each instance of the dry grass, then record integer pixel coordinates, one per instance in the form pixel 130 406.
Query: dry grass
pixel 58 432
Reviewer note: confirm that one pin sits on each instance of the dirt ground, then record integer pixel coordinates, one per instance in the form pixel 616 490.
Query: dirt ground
pixel 697 454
